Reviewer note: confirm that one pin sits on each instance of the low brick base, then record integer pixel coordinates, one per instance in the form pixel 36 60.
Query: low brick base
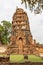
pixel 4 59
pixel 27 63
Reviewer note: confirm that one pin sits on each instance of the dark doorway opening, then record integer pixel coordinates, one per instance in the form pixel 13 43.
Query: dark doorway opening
pixel 20 38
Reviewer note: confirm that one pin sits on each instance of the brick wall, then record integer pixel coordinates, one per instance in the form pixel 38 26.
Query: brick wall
pixel 4 59
pixel 27 63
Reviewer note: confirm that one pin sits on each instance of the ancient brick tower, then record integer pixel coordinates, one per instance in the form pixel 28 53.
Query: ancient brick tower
pixel 21 36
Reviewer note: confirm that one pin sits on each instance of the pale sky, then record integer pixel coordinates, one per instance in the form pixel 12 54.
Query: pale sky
pixel 8 7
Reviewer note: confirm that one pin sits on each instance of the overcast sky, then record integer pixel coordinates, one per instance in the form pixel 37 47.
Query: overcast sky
pixel 8 7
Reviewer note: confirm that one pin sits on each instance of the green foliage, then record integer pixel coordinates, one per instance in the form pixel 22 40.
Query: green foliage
pixel 5 30
pixel 34 5
pixel 1 28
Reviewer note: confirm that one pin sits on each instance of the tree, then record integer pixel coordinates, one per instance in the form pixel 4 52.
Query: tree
pixel 6 31
pixel 1 32
pixel 34 5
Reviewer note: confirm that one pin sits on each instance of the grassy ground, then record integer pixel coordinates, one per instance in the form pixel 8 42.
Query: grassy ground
pixel 20 58
pixel 34 58
pixel 16 58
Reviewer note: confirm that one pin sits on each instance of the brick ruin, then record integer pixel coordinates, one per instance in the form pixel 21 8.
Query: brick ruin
pixel 21 41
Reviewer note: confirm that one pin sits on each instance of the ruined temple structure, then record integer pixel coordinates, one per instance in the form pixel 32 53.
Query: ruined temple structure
pixel 21 40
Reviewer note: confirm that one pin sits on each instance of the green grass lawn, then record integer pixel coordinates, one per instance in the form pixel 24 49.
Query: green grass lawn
pixel 3 55
pixel 20 58
pixel 16 58
pixel 34 58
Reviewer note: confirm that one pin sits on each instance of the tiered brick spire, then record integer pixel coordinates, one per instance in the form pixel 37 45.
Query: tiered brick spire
pixel 21 36
pixel 21 41
pixel 20 26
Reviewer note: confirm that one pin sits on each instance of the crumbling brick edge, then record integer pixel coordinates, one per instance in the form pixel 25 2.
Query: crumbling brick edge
pixel 26 63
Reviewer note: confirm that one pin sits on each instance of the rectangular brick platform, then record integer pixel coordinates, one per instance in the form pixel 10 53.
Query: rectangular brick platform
pixel 4 59
pixel 27 63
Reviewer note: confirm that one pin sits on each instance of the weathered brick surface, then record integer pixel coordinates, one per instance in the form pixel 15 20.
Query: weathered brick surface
pixel 28 63
pixel 4 59
pixel 21 40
